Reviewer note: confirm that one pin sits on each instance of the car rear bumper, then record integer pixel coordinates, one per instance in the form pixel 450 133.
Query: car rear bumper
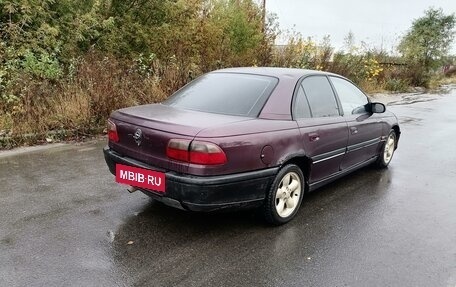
pixel 203 193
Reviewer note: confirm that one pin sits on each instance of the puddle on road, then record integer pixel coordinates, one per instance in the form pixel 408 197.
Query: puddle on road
pixel 86 149
pixel 410 120
pixel 413 99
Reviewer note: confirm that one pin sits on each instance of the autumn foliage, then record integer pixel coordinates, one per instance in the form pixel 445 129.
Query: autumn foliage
pixel 66 65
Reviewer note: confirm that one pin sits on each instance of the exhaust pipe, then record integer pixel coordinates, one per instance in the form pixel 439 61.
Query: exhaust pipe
pixel 131 189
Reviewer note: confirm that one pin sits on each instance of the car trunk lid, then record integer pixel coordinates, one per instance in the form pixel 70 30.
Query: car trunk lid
pixel 157 124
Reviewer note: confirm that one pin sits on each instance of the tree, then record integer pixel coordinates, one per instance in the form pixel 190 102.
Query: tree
pixel 350 42
pixel 429 39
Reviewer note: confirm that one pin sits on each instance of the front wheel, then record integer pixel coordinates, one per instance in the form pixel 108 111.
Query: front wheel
pixel 285 195
pixel 387 152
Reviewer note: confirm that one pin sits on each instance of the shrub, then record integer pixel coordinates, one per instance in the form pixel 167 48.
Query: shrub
pixel 44 66
pixel 81 103
pixel 396 85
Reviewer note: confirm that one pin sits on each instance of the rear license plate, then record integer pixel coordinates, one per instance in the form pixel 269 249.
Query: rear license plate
pixel 140 177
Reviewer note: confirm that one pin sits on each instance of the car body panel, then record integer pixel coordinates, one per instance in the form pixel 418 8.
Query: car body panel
pixel 364 135
pixel 325 141
pixel 244 151
pixel 159 124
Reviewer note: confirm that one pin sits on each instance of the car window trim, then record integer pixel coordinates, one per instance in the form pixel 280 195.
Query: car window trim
pixel 294 100
pixel 337 95
pixel 295 93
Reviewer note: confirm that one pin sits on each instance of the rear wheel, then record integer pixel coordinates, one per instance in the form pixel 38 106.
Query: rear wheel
pixel 285 195
pixel 387 152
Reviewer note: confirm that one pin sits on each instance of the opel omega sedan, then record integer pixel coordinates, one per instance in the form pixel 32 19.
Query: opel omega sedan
pixel 249 137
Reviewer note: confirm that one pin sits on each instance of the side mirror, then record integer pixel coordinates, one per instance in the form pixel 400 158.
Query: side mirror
pixel 377 108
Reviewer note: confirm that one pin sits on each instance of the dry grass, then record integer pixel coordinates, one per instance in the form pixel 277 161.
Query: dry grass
pixel 70 110
pixel 78 106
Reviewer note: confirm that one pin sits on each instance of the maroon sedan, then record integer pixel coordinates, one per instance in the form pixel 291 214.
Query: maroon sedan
pixel 249 136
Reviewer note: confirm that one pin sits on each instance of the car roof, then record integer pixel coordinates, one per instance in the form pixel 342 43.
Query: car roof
pixel 274 72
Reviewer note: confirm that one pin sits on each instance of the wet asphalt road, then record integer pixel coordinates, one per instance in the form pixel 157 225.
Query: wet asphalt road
pixel 64 222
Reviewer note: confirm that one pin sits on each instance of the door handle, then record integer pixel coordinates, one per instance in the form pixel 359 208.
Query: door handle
pixel 353 130
pixel 313 137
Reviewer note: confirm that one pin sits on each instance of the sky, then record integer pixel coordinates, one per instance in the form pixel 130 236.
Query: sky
pixel 379 23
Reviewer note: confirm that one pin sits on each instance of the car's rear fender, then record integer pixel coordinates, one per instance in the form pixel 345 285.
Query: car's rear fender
pixel 252 151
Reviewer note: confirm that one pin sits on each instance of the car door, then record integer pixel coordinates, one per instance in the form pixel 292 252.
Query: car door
pixel 324 131
pixel 365 129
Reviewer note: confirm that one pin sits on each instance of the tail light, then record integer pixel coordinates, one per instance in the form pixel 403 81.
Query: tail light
pixel 112 132
pixel 197 152
pixel 206 153
pixel 178 149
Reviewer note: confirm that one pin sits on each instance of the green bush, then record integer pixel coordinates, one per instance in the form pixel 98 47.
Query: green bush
pixel 396 85
pixel 45 66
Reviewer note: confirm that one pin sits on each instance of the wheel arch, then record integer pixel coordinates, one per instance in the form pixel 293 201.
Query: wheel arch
pixel 397 131
pixel 303 162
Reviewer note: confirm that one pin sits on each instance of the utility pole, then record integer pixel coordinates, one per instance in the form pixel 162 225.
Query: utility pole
pixel 264 15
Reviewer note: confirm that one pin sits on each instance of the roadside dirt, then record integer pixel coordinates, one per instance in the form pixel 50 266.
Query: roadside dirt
pixel 390 99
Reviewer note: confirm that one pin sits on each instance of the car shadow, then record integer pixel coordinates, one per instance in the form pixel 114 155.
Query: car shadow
pixel 365 182
pixel 369 181
pixel 160 236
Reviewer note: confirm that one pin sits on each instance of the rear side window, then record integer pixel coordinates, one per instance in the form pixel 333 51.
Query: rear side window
pixel 321 97
pixel 301 106
pixel 225 93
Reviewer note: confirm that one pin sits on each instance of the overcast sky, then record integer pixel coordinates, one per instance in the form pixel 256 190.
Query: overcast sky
pixel 374 22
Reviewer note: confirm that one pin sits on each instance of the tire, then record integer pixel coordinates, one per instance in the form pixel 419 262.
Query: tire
pixel 285 195
pixel 387 152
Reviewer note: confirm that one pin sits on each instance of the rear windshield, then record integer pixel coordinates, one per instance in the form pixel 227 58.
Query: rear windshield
pixel 225 93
